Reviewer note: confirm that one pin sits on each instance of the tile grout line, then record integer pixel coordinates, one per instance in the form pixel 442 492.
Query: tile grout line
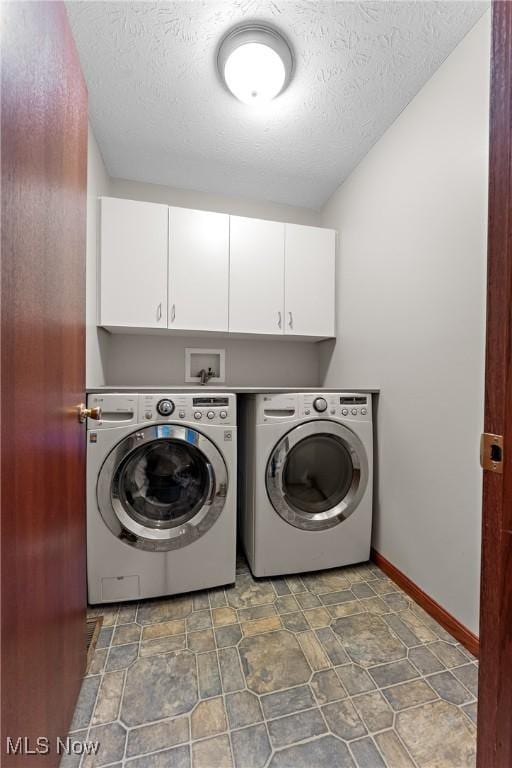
pixel 121 700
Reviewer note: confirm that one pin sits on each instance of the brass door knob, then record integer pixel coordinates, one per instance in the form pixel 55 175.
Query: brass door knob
pixel 88 413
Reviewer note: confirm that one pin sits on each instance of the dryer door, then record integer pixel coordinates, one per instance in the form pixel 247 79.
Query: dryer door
pixel 162 487
pixel 317 474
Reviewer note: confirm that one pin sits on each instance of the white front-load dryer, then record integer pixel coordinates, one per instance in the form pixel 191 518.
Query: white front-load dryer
pixel 161 494
pixel 305 480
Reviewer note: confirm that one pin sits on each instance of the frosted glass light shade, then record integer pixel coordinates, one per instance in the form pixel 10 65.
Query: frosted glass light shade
pixel 255 63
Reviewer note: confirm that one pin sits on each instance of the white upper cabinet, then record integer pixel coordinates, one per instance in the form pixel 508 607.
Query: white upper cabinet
pixel 198 270
pixel 309 281
pixel 202 272
pixel 133 263
pixel 256 276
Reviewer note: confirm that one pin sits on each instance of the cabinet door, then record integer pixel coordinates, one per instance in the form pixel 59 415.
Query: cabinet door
pixel 133 263
pixel 256 276
pixel 198 270
pixel 309 281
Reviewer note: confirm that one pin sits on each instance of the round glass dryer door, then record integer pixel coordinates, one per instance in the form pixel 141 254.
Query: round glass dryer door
pixel 162 487
pixel 317 475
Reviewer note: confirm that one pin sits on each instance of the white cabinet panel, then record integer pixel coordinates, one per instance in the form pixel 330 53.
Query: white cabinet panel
pixel 256 278
pixel 198 270
pixel 133 263
pixel 309 281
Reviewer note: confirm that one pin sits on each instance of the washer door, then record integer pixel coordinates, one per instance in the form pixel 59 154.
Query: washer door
pixel 162 487
pixel 317 475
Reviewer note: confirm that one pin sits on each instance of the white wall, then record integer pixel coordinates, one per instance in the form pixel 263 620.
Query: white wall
pixel 155 360
pixel 204 201
pixel 411 290
pixel 97 340
pixel 160 360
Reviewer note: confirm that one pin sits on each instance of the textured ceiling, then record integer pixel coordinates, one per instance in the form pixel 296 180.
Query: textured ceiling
pixel 161 115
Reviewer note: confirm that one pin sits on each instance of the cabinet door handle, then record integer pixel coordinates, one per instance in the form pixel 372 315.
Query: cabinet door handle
pixel 279 320
pixel 173 312
pixel 290 322
pixel 159 312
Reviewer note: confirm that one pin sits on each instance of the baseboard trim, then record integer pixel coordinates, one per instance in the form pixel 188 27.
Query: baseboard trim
pixel 445 619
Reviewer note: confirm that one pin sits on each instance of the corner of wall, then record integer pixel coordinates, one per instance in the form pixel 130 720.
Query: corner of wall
pixel 97 340
pixel 412 221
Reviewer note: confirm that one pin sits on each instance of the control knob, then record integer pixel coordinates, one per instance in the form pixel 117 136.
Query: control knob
pixel 320 404
pixel 165 407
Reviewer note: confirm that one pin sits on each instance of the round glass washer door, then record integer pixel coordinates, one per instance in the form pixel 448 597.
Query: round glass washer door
pixel 162 487
pixel 317 475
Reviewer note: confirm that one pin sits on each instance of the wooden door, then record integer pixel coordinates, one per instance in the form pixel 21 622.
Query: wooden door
pixel 256 276
pixel 309 281
pixel 44 154
pixel 198 270
pixel 133 264
pixel 494 735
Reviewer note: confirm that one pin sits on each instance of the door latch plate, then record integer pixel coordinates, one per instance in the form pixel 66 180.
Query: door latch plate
pixel 491 452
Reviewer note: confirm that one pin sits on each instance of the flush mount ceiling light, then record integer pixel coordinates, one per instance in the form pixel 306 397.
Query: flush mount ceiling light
pixel 255 62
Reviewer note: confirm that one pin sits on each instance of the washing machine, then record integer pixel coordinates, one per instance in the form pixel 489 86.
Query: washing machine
pixel 161 494
pixel 305 480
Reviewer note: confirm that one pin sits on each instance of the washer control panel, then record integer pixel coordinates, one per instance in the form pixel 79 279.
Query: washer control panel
pixel 336 405
pixel 193 407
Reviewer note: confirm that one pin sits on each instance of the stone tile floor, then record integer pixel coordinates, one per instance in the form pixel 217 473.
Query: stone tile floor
pixel 338 669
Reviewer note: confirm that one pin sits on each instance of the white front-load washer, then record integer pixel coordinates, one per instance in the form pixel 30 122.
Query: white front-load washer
pixel 305 480
pixel 161 494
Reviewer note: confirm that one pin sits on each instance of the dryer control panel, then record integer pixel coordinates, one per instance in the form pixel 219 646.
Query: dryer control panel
pixel 336 405
pixel 305 406
pixel 194 407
